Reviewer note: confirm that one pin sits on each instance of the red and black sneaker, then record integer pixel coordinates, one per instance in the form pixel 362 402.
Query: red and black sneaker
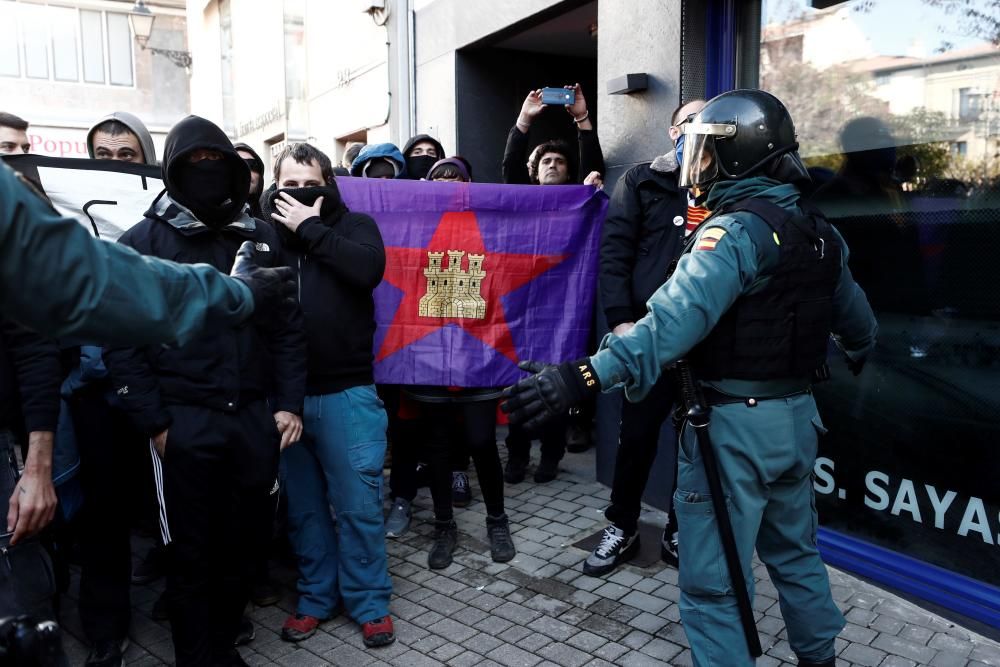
pixel 378 632
pixel 298 627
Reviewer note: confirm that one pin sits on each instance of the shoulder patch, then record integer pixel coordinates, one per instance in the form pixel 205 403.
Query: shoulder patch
pixel 710 238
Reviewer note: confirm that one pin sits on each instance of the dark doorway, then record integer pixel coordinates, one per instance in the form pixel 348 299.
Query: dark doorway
pixel 555 48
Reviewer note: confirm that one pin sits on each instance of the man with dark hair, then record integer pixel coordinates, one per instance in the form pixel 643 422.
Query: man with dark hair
pixel 217 410
pixel 642 235
pixel 517 171
pixel 549 163
pixel 13 135
pixel 123 137
pixel 340 259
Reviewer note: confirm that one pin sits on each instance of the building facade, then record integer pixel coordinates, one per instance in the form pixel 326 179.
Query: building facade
pixel 64 65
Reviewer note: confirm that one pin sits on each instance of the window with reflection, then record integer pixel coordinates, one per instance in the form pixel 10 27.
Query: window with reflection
pixel 897 108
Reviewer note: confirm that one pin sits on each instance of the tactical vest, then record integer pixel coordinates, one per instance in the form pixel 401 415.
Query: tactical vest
pixel 781 330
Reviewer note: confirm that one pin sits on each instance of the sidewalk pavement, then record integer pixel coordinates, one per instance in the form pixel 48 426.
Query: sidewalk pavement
pixel 539 610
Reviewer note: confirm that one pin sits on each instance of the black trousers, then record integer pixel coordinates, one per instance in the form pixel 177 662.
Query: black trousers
pixel 113 456
pixel 479 420
pixel 638 442
pixel 552 436
pixel 217 484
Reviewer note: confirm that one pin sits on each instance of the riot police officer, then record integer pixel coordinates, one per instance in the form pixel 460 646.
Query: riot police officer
pixel 750 306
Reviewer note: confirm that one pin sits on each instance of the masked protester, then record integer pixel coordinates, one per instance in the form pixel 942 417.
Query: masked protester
pixel 340 260
pixel 256 166
pixel 218 409
pixel 421 152
pixel 761 256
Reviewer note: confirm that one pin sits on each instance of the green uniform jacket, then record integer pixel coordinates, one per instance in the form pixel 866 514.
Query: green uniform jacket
pixel 708 280
pixel 62 282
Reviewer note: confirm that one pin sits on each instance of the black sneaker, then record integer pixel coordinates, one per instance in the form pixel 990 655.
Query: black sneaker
pixel 668 545
pixel 515 471
pixel 151 567
pixel 445 541
pixel 501 545
pixel 107 653
pixel 265 593
pixel 547 470
pixel 615 547
pixel 577 438
pixel 160 610
pixel 461 493
pixel 246 633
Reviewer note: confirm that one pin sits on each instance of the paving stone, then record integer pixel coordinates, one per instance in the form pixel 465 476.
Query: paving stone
pixel 989 655
pixel 512 656
pixel 645 602
pixel 948 659
pixel 648 622
pixel 901 647
pixel 565 655
pixel 452 630
pixel 889 626
pixel 611 651
pixel 863 655
pixel 554 628
pixel 858 634
pixel 483 643
pixel 896 661
pixel 586 641
pixel 344 654
pixel 605 627
pixel 661 650
pixel 514 634
pixel 636 639
pixel 611 590
pixel 951 644
pixel 637 659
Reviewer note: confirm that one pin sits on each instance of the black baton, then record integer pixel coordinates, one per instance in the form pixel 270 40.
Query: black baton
pixel 698 415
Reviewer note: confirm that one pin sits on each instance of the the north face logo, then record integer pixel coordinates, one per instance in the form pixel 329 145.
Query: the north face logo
pixel 263 247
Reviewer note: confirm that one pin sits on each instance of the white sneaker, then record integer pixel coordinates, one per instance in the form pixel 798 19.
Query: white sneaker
pixel 615 547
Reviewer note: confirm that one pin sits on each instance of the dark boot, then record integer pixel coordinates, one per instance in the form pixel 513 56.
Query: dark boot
pixel 445 541
pixel 515 470
pixel 547 470
pixel 501 545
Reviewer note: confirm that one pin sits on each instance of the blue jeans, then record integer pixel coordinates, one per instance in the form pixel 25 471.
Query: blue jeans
pixel 338 464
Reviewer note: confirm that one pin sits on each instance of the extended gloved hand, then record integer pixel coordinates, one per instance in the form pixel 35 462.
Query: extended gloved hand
pixel 272 288
pixel 550 392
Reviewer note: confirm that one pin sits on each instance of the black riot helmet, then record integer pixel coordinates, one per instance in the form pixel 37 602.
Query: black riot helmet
pixel 739 134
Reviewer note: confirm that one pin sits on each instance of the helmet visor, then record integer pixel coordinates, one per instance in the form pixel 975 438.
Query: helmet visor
pixel 698 163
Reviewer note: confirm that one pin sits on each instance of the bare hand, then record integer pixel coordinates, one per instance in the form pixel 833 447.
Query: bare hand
pixel 530 109
pixel 594 178
pixel 623 328
pixel 292 213
pixel 579 106
pixel 32 505
pixel 289 426
pixel 160 443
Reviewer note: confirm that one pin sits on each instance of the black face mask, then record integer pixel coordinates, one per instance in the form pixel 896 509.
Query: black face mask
pixel 418 166
pixel 206 187
pixel 308 196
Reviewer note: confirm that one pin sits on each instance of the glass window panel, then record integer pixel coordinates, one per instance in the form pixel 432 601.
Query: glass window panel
pixel 10 57
pixel 897 108
pixel 119 49
pixel 35 36
pixel 92 38
pixel 62 21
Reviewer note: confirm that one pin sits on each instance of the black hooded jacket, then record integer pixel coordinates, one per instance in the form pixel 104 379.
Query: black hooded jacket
pixel 340 259
pixel 222 369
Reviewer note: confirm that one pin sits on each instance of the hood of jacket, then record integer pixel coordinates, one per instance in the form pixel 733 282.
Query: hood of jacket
pixel 424 137
pixel 138 129
pixel 194 133
pixel 370 151
pixel 165 209
pixel 724 193
pixel 258 164
pixel 666 163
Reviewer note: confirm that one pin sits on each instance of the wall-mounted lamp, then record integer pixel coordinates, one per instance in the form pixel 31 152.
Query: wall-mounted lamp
pixel 630 83
pixel 141 21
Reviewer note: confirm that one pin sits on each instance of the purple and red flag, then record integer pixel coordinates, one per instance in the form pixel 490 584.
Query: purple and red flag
pixel 479 277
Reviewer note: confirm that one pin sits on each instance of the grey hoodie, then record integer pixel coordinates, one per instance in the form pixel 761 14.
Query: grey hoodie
pixel 138 129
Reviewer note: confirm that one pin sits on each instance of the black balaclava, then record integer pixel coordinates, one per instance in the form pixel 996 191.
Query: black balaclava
pixel 215 191
pixel 418 166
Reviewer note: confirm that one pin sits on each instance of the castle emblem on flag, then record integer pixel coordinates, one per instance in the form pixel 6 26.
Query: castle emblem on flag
pixel 452 291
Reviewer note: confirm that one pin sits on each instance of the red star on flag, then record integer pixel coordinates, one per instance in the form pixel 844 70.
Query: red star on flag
pixel 505 272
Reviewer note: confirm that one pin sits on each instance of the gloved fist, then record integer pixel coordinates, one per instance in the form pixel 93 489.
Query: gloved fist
pixel 272 288
pixel 550 392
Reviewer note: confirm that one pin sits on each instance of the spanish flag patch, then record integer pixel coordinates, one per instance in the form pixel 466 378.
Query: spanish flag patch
pixel 710 238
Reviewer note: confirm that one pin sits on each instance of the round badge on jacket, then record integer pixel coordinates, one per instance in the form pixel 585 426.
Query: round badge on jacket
pixel 678 220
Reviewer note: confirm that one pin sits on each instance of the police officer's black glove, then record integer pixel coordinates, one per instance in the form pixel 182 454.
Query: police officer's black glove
pixel 272 288
pixel 550 392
